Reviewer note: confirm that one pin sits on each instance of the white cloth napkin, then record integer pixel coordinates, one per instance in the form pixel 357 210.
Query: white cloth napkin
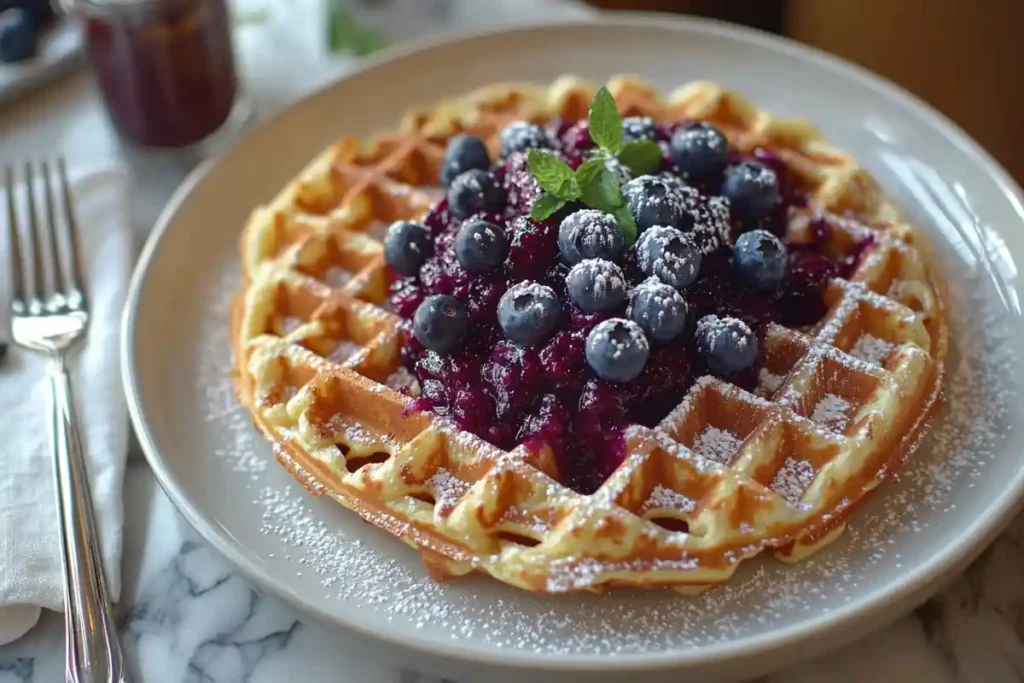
pixel 30 563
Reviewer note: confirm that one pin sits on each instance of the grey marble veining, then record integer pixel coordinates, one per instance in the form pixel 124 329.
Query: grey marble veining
pixel 187 616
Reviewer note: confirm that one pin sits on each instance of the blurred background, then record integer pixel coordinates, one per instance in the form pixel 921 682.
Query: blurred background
pixel 961 57
pixel 164 83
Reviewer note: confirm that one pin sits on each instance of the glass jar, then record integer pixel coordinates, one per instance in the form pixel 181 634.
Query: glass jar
pixel 166 68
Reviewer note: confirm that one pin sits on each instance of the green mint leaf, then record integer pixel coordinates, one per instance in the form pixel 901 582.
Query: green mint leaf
pixel 642 157
pixel 599 186
pixel 552 174
pixel 624 217
pixel 545 205
pixel 605 122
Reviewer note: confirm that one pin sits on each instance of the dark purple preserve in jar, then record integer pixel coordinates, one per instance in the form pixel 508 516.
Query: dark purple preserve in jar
pixel 166 67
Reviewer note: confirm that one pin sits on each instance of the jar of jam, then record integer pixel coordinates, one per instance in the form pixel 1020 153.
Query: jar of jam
pixel 166 68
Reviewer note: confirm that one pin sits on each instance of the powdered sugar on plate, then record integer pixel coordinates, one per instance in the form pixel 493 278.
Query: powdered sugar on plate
pixel 322 550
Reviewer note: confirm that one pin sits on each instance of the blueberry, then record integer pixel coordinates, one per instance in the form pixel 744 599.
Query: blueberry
pixel 617 350
pixel 441 323
pixel 18 39
pixel 658 309
pixel 596 285
pixel 464 153
pixel 520 136
pixel 752 190
pixel 480 246
pixel 727 345
pixel 589 234
pixel 39 11
pixel 669 255
pixel 706 220
pixel 474 191
pixel 638 128
pixel 406 246
pixel 529 313
pixel 700 151
pixel 760 259
pixel 653 200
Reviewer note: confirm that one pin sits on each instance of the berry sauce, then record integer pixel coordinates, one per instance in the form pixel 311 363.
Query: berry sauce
pixel 547 394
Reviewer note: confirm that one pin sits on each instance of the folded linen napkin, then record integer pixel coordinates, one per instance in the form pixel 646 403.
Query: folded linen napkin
pixel 30 563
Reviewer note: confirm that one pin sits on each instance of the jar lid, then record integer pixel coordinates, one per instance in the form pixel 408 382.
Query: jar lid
pixel 114 6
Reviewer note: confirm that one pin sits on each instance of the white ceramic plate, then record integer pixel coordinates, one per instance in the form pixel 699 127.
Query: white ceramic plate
pixel 955 495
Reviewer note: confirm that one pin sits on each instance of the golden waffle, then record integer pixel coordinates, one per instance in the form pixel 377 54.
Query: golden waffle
pixel 725 476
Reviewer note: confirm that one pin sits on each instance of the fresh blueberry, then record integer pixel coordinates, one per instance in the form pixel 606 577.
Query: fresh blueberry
pixel 18 38
pixel 596 285
pixel 474 191
pixel 441 323
pixel 590 234
pixel 529 313
pixel 752 190
pixel 39 11
pixel 669 255
pixel 617 350
pixel 727 345
pixel 480 246
pixel 653 200
pixel 520 136
pixel 760 259
pixel 638 128
pixel 464 153
pixel 700 151
pixel 658 309
pixel 706 220
pixel 406 246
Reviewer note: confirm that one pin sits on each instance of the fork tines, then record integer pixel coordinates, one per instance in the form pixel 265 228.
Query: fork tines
pixel 42 230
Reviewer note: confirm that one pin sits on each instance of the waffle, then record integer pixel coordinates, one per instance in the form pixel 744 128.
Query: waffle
pixel 727 475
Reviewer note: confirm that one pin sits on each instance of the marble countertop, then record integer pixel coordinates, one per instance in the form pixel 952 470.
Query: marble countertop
pixel 187 616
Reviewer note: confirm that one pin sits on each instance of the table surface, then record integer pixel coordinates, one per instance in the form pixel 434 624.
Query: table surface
pixel 186 615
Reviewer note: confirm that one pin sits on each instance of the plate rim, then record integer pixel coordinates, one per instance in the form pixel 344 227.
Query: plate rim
pixel 916 586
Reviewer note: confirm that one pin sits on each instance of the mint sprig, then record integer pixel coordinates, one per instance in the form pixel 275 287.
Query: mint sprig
pixel 553 175
pixel 545 205
pixel 605 122
pixel 642 157
pixel 594 183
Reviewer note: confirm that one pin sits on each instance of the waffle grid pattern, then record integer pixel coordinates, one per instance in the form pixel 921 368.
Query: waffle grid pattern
pixel 725 476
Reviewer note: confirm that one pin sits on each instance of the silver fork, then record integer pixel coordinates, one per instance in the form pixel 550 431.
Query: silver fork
pixel 49 315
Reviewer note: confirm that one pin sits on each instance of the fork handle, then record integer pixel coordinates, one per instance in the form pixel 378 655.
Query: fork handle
pixel 92 651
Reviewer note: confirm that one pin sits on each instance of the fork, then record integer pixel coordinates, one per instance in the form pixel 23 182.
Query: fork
pixel 50 315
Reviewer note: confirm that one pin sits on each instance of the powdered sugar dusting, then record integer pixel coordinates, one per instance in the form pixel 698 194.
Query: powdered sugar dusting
pixel 767 383
pixel 663 498
pixel 336 277
pixel 792 479
pixel 324 548
pixel 289 324
pixel 345 349
pixel 401 379
pixel 448 489
pixel 871 349
pixel 717 444
pixel 833 412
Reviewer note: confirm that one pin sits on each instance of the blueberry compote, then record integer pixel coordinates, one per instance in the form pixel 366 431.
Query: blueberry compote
pixel 545 392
